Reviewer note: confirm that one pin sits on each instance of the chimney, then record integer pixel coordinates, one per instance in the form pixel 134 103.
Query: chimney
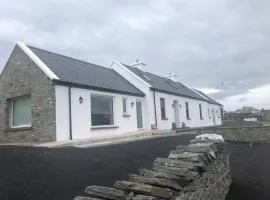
pixel 138 64
pixel 171 76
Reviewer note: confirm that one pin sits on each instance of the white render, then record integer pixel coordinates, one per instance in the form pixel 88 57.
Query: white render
pixel 81 114
pixel 62 113
pixel 214 119
pixel 195 120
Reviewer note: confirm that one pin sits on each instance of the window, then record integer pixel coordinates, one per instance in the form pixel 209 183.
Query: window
pixel 20 112
pixel 102 110
pixel 187 111
pixel 162 108
pixel 209 114
pixel 124 101
pixel 200 109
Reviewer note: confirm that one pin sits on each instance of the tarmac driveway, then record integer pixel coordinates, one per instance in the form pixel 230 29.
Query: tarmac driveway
pixel 48 174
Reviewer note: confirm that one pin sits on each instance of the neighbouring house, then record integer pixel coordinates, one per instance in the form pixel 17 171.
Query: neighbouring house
pixel 45 96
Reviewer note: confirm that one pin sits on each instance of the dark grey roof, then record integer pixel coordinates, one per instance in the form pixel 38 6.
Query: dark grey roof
pixel 164 84
pixel 80 73
pixel 210 100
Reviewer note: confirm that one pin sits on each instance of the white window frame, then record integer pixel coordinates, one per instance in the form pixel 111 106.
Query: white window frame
pixel 127 110
pixel 114 112
pixel 165 111
pixel 11 112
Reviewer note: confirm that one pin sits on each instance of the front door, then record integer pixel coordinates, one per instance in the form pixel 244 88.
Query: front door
pixel 139 114
pixel 176 113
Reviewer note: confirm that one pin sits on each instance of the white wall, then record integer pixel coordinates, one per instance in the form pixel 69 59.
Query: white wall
pixel 141 85
pixel 62 113
pixel 193 110
pixel 81 114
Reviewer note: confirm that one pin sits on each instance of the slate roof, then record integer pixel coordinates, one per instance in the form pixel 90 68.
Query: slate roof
pixel 210 100
pixel 84 74
pixel 164 84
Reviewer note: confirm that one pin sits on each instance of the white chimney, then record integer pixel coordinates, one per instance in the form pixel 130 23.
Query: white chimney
pixel 138 64
pixel 171 76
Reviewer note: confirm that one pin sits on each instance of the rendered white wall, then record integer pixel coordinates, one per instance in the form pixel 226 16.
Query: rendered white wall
pixel 81 114
pixel 193 110
pixel 141 85
pixel 62 113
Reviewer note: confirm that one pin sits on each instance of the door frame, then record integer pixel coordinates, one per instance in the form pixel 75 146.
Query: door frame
pixel 139 101
pixel 176 111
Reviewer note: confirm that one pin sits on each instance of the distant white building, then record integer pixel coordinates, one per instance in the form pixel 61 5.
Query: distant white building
pixel 45 96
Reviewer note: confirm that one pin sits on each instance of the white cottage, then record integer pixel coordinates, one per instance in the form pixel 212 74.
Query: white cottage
pixel 170 103
pixel 45 96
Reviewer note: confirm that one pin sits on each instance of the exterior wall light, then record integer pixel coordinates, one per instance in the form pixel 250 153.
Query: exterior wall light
pixel 80 100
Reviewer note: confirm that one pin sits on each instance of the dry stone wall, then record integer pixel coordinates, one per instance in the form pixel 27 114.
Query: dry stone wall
pixel 200 170
pixel 259 134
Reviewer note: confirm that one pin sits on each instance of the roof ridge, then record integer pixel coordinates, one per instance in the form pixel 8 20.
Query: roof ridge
pixel 209 98
pixel 179 85
pixel 160 76
pixel 67 57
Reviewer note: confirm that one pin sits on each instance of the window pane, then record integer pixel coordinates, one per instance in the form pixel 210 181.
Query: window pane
pixel 22 112
pixel 102 110
pixel 162 108
pixel 124 105
pixel 200 108
pixel 187 110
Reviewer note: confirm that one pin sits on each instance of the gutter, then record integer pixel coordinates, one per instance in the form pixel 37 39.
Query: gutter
pixel 70 115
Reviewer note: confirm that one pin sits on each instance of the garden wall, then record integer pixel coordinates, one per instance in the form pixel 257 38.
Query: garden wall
pixel 200 170
pixel 240 134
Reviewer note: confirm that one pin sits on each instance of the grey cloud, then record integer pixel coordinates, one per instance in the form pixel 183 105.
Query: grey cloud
pixel 209 44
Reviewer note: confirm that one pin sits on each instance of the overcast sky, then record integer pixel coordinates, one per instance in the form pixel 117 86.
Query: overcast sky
pixel 220 46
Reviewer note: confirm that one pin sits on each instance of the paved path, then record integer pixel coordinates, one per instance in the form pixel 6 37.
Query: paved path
pixel 47 174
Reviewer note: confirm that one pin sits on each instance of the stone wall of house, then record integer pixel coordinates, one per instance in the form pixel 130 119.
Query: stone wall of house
pixel 200 170
pixel 22 77
pixel 240 134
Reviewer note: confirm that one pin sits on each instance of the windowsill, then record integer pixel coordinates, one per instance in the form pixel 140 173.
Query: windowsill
pixel 19 128
pixel 164 118
pixel 126 115
pixel 104 127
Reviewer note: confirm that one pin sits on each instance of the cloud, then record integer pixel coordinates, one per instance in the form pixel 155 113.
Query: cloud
pixel 223 45
pixel 257 97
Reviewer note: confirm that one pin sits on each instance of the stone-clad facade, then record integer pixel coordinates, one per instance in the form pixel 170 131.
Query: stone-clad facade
pixel 21 77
